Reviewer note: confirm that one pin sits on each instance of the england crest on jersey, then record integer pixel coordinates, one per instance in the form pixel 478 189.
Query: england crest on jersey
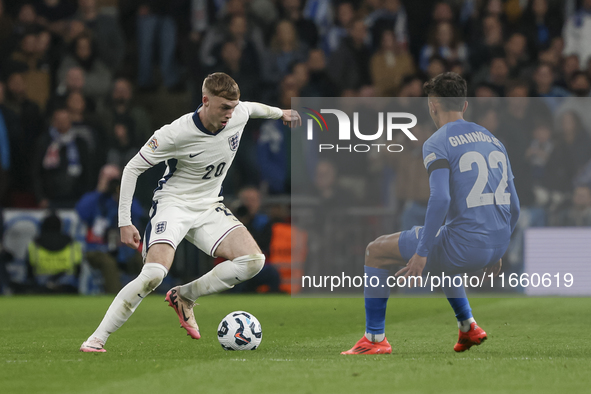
pixel 233 141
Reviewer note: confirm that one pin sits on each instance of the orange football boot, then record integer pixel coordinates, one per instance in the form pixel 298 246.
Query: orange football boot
pixel 475 336
pixel 365 346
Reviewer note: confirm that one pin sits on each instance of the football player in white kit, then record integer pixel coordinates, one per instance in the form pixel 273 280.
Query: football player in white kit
pixel 198 149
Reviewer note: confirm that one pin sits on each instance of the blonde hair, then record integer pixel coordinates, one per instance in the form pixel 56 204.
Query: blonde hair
pixel 221 85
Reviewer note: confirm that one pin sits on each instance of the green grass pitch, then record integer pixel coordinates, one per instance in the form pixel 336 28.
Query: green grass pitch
pixel 536 345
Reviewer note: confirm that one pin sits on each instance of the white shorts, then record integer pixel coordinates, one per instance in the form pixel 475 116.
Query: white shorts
pixel 206 228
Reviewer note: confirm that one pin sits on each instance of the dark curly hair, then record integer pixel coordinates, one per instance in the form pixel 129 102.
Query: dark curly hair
pixel 450 86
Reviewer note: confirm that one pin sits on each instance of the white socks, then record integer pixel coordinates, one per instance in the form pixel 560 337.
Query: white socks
pixel 224 276
pixel 129 298
pixel 464 325
pixel 375 337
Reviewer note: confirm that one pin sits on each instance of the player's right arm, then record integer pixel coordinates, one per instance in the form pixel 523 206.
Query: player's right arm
pixel 159 148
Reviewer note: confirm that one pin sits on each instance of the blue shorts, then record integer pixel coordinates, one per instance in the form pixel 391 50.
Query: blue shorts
pixel 448 255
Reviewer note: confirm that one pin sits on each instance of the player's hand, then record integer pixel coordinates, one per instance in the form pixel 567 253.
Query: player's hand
pixel 415 266
pixel 130 236
pixel 494 269
pixel 291 118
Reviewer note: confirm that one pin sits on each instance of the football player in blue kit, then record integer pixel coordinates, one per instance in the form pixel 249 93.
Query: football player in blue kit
pixel 471 188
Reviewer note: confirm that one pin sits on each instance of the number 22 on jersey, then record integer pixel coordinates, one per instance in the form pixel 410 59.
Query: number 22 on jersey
pixel 476 197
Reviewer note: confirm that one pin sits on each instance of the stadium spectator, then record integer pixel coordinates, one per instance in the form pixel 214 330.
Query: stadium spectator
pixel 579 212
pixel 349 63
pixel 249 213
pixel 122 144
pixel 319 82
pixel 26 124
pixel 576 31
pixel 541 22
pixel 485 90
pixel 28 111
pixel 88 127
pixel 62 165
pixel 35 70
pixel 345 14
pixel 390 65
pixel 104 251
pixel 544 86
pixel 26 20
pixel 53 259
pixel 6 29
pixel 96 74
pixel 9 139
pixel 580 86
pixel 390 15
pixel 548 162
pixel 273 149
pixel 437 65
pixel 570 65
pixel 156 26
pixel 235 27
pixel 121 105
pixel 516 54
pixel 106 32
pixel 330 194
pixel 54 11
pixel 242 64
pixel 412 86
pixel 75 81
pixel 285 49
pixel 445 42
pixel 307 31
pixel 488 45
pixel 514 133
pixel 576 141
pixel 496 75
pixel 259 225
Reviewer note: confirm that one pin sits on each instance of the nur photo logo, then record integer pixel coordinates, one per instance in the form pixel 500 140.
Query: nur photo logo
pixel 387 121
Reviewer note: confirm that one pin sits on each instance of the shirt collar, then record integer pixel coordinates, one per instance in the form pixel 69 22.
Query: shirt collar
pixel 199 124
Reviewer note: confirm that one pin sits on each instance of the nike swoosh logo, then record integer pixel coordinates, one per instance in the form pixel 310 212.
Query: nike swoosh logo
pixel 196 154
pixel 185 316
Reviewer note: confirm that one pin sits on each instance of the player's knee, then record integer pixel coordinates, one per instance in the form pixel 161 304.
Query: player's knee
pixel 152 275
pixel 250 264
pixel 372 248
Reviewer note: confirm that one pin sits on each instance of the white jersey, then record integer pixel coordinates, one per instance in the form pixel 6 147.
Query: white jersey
pixel 197 160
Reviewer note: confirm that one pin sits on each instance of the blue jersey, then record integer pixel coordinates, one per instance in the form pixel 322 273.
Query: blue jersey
pixel 480 209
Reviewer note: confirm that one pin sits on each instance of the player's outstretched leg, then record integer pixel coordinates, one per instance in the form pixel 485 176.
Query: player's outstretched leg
pixel 469 332
pixel 222 277
pixel 244 261
pixel 380 253
pixel 124 305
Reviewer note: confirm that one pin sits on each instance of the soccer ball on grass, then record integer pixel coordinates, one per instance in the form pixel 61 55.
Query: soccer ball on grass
pixel 240 331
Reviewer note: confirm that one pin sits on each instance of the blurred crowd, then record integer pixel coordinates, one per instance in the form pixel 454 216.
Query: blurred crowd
pixel 76 77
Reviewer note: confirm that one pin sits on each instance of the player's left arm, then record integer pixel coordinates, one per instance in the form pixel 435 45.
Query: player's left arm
pixel 290 117
pixel 515 208
pixel 437 207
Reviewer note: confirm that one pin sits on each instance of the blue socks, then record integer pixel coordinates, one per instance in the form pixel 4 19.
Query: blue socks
pixel 376 300
pixel 458 301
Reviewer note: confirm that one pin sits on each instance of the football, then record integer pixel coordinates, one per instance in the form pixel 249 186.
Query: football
pixel 240 331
